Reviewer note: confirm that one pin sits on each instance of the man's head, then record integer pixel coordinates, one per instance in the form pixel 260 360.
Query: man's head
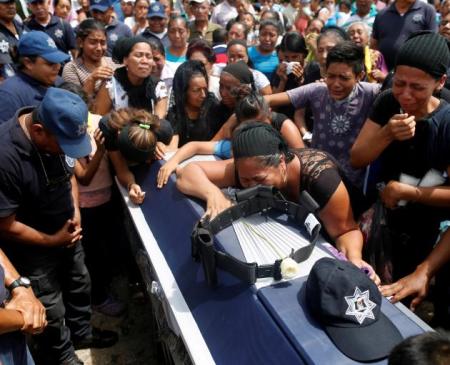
pixel 40 9
pixel 200 9
pixel 344 67
pixel 39 57
pixel 363 7
pixel 430 348
pixel 7 10
pixel 60 124
pixel 127 7
pixel 101 10
pixel 157 18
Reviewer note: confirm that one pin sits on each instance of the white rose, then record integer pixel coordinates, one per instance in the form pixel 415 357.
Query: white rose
pixel 289 268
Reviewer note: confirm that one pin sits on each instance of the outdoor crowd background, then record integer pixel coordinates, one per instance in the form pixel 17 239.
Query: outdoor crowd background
pixel 181 76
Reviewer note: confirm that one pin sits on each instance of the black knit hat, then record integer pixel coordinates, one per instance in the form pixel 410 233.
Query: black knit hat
pixel 257 139
pixel 240 71
pixel 123 47
pixel 426 51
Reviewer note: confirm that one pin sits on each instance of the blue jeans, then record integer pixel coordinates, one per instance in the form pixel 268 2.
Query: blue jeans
pixel 14 350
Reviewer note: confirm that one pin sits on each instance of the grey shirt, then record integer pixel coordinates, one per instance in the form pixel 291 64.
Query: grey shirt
pixel 337 123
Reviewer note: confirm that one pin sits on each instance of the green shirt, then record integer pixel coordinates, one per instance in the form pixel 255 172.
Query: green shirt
pixel 194 33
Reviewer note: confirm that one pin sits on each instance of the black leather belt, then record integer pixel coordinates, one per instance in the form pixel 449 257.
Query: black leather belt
pixel 250 201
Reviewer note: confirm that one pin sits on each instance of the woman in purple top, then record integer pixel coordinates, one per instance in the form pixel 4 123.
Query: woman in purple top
pixel 339 106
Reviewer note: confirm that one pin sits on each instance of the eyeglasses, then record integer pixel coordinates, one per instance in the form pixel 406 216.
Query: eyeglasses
pixel 55 173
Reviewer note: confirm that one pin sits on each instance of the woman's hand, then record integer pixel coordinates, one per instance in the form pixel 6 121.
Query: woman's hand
pixel 136 194
pixel 378 75
pixel 101 73
pixel 311 41
pixel 415 284
pixel 99 140
pixel 216 203
pixel 297 71
pixel 165 172
pixel 367 270
pixel 394 192
pixel 282 71
pixel 160 150
pixel 402 126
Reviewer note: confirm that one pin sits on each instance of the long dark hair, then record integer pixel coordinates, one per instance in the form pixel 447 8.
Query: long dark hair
pixel 185 72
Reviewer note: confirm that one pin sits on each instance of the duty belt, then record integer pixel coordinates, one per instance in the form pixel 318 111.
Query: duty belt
pixel 250 201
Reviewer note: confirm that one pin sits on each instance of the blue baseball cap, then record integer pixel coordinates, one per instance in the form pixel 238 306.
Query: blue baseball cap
pixel 157 10
pixel 65 115
pixel 37 43
pixel 348 305
pixel 100 5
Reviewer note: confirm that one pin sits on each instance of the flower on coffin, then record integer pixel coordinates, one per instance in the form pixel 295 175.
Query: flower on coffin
pixel 289 268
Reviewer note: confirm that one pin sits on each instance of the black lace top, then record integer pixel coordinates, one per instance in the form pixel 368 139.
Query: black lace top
pixel 320 176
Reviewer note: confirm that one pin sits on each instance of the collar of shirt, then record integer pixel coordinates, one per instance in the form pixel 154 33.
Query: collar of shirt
pixel 30 80
pixel 18 25
pixel 113 23
pixel 414 6
pixel 159 35
pixel 53 21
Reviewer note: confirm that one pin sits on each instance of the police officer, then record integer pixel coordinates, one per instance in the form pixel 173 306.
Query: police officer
pixel 22 312
pixel 9 25
pixel 39 65
pixel 102 10
pixel 40 221
pixel 58 29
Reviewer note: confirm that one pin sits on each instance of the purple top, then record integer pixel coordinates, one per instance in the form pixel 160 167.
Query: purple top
pixel 337 123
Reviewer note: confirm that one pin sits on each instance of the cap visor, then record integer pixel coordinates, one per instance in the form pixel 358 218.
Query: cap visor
pixel 156 16
pixel 368 343
pixel 76 148
pixel 55 57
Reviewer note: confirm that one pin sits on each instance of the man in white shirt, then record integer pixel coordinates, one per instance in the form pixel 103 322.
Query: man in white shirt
pixel 224 12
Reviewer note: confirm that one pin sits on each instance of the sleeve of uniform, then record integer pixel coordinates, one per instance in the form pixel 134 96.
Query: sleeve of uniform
pixel 70 36
pixel 8 106
pixel 431 19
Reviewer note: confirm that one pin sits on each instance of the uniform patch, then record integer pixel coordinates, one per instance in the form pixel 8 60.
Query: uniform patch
pixel 70 161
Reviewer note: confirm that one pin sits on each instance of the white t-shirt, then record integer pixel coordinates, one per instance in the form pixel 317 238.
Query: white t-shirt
pixel 119 97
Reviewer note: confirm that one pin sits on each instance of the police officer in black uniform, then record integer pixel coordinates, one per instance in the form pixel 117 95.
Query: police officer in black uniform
pixel 40 221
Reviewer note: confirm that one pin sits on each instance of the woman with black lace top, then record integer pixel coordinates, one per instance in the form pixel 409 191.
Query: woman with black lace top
pixel 261 157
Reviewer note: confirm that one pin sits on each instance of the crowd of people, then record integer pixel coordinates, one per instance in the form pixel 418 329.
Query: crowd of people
pixel 345 100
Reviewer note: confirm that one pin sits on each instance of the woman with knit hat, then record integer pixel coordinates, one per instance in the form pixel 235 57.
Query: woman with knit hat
pixel 261 156
pixel 408 132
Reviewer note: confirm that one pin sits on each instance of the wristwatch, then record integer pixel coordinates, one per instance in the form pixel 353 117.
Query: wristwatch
pixel 21 281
